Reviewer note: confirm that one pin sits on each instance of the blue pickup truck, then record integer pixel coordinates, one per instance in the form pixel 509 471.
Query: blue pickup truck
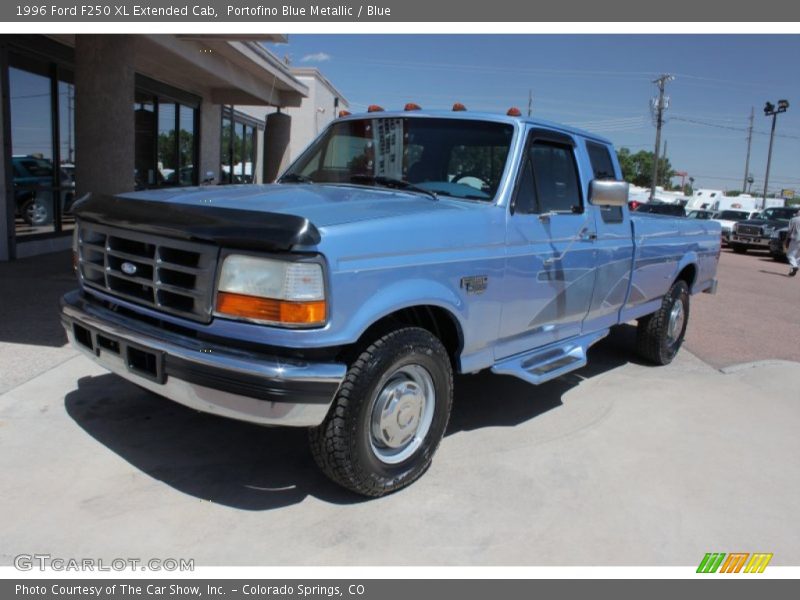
pixel 398 249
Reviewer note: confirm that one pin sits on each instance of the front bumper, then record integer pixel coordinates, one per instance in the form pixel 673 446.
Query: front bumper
pixel 748 240
pixel 220 380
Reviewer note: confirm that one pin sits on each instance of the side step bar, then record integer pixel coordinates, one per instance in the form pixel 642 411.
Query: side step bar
pixel 554 360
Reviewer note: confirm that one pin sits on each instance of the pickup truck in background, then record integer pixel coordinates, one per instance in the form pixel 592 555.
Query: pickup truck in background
pixel 398 249
pixel 756 233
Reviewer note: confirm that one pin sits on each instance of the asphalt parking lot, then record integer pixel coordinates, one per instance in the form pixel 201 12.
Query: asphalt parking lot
pixel 617 464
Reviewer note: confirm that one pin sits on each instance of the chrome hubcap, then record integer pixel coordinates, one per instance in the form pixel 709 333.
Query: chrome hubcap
pixel 676 318
pixel 402 412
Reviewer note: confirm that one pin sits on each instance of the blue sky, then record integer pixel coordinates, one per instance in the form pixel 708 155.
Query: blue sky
pixel 602 83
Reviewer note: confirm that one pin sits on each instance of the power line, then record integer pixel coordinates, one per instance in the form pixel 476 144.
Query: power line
pixel 731 127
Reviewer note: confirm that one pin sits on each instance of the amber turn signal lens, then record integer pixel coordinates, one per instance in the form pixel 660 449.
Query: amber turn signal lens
pixel 273 311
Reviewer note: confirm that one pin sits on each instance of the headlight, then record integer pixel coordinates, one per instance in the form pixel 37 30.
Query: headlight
pixel 768 231
pixel 271 291
pixel 775 235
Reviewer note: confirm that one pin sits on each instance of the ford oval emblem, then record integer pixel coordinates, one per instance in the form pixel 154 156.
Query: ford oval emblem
pixel 128 268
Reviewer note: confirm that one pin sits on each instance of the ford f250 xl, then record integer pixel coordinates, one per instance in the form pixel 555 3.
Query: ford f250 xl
pixel 398 249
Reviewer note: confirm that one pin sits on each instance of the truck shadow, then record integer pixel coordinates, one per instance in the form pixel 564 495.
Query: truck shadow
pixel 250 467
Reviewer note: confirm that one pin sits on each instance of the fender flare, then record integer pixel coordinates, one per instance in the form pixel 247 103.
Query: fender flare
pixel 409 293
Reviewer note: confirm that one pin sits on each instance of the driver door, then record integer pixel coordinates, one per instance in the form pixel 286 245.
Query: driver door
pixel 550 272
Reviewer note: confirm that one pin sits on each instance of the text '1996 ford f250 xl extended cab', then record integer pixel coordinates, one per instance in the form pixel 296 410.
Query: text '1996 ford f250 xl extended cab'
pixel 398 249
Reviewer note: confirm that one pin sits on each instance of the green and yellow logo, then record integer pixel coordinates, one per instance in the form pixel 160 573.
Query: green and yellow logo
pixel 735 562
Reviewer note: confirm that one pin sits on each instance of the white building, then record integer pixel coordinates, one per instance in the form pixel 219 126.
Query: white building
pixel 301 124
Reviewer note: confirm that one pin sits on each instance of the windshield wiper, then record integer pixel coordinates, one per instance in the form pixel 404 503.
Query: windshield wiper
pixel 393 182
pixel 296 178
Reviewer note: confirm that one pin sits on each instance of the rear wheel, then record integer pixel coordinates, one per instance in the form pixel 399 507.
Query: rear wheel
pixel 659 335
pixel 739 248
pixel 389 414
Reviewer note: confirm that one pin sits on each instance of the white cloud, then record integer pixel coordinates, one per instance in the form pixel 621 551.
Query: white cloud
pixel 316 57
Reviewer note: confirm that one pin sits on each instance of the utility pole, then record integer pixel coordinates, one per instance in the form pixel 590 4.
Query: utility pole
pixel 530 102
pixel 664 154
pixel 659 106
pixel 747 160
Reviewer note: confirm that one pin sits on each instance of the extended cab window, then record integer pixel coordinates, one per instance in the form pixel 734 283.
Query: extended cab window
pixel 603 168
pixel 549 180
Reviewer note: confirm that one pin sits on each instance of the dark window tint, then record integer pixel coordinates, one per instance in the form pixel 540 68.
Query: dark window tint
pixel 602 167
pixel 525 199
pixel 556 177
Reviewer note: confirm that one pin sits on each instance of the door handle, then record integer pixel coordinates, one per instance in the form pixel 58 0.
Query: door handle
pixel 587 236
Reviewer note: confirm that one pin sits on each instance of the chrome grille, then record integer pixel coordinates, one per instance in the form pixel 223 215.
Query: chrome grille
pixel 748 230
pixel 168 275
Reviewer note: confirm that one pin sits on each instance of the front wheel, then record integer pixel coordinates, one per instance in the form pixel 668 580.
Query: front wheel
pixel 659 335
pixel 36 213
pixel 389 414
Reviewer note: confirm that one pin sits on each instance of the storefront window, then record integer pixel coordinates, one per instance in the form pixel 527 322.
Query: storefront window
pixel 238 149
pixel 42 164
pixel 166 142
pixel 145 124
pixel 186 145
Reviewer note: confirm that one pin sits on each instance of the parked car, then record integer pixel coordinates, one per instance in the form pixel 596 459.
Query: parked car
pixel 662 208
pixel 756 233
pixel 398 249
pixel 728 218
pixel 34 189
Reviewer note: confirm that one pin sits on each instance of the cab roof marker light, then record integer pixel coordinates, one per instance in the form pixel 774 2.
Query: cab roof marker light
pixel 344 113
pixel 514 112
pixel 412 106
pixel 458 107
pixel 374 108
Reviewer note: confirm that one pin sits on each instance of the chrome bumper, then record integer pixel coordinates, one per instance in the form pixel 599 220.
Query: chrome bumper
pixel 224 381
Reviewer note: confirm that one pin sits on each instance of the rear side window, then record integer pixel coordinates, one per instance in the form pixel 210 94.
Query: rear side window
pixel 603 168
pixel 599 156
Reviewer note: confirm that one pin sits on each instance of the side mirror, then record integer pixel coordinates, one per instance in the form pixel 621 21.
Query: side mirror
pixel 604 192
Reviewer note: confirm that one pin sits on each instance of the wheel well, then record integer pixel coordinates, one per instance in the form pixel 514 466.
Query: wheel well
pixel 439 321
pixel 688 275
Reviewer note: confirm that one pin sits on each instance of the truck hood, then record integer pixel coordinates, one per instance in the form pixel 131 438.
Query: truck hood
pixel 255 217
pixel 322 205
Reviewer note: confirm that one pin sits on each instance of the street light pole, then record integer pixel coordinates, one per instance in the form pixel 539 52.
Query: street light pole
pixel 771 111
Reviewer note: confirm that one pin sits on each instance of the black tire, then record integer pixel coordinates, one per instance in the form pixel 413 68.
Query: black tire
pixel 739 248
pixel 345 445
pixel 778 257
pixel 654 340
pixel 36 213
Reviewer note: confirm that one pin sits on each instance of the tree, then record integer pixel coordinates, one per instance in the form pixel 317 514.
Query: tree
pixel 638 168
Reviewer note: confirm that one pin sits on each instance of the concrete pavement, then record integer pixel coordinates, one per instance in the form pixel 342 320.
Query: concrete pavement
pixel 618 464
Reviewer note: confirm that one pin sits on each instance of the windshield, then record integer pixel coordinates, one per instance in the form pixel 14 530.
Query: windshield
pixel 732 215
pixel 462 158
pixel 699 214
pixel 779 214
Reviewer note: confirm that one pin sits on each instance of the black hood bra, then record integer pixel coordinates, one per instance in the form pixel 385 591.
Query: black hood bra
pixel 229 227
